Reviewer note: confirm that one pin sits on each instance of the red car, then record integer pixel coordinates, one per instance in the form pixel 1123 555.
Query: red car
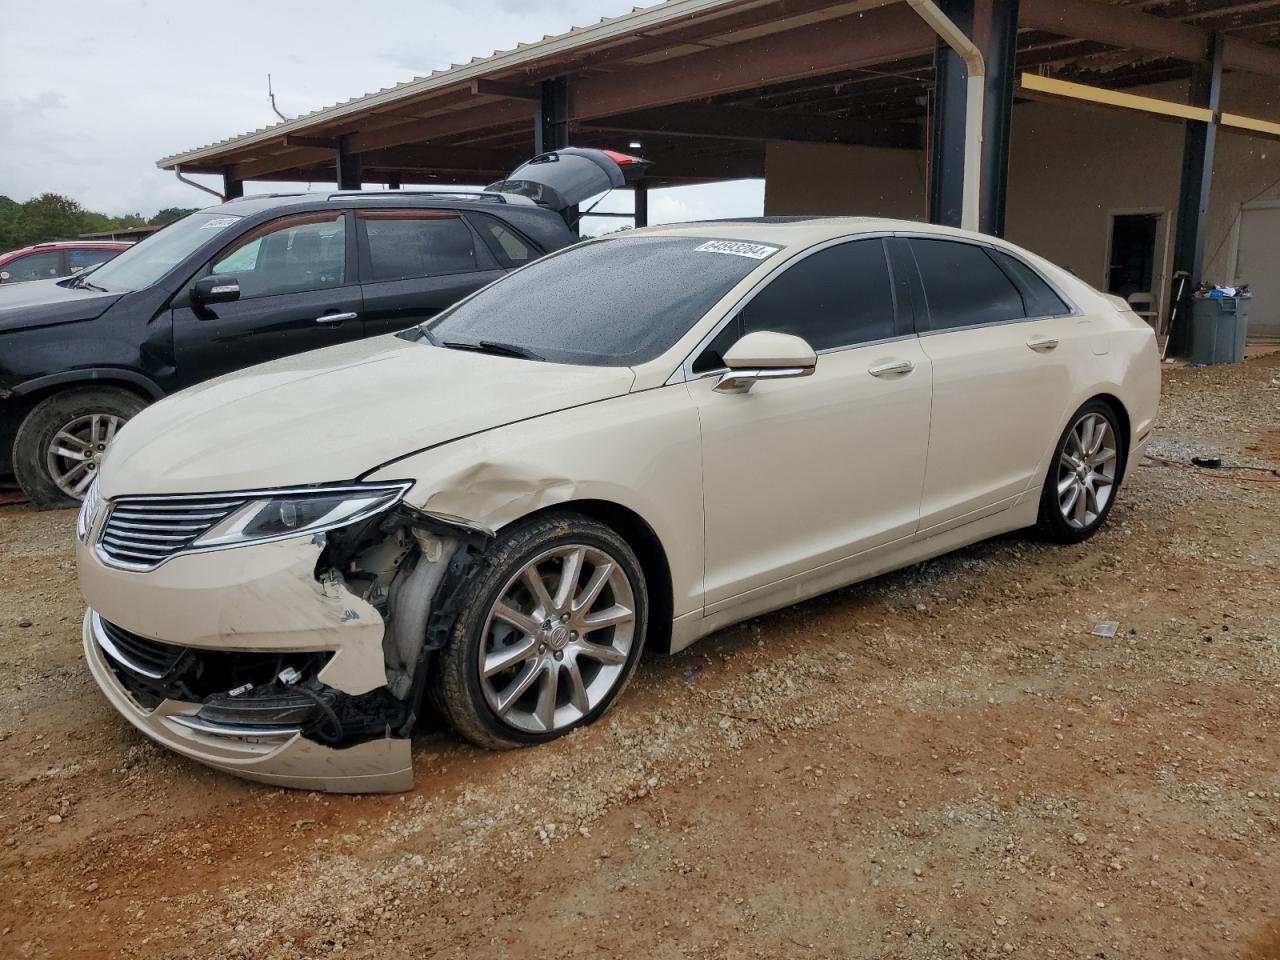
pixel 62 258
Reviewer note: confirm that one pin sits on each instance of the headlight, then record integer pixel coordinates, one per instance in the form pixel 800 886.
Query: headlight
pixel 283 514
pixel 88 512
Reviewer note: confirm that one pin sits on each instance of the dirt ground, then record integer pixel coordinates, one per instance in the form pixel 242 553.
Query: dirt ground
pixel 943 762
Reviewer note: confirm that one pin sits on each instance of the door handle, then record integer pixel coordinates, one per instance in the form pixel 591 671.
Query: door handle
pixel 1042 343
pixel 894 366
pixel 336 317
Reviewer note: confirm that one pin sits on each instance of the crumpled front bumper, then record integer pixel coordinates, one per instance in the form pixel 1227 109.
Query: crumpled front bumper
pixel 260 599
pixel 283 760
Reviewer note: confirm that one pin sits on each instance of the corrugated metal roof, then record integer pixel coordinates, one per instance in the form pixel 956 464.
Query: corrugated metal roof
pixel 523 56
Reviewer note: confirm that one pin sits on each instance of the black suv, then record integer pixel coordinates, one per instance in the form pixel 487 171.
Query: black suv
pixel 251 280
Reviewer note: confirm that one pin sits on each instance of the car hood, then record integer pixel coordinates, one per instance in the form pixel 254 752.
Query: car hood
pixel 336 413
pixel 39 303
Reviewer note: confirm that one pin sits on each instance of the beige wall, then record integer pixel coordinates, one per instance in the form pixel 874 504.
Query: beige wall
pixel 1071 166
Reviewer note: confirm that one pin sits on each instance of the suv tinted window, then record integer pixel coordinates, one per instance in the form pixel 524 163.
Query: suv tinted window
pixel 34 266
pixel 1038 297
pixel 963 286
pixel 836 297
pixel 513 247
pixel 84 258
pixel 292 255
pixel 417 243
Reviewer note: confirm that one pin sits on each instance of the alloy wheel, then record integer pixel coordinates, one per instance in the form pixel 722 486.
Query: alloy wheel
pixel 1087 470
pixel 557 639
pixel 76 450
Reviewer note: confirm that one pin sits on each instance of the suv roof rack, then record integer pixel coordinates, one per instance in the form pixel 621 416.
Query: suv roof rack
pixel 441 194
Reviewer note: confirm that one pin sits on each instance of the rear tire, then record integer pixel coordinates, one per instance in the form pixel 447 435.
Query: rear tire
pixel 60 444
pixel 1084 475
pixel 550 630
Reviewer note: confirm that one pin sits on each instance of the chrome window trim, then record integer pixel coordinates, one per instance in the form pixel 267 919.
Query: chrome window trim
pixel 684 371
pixel 247 495
pixel 1073 308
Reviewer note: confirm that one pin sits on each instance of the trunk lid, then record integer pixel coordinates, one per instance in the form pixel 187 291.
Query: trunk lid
pixel 563 178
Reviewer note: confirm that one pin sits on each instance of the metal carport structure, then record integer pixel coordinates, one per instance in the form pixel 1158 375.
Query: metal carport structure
pixel 708 83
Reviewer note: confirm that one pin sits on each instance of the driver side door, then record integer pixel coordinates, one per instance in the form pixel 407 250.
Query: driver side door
pixel 298 291
pixel 800 474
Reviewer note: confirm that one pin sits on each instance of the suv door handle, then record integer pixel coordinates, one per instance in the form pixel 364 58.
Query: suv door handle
pixel 336 317
pixel 894 366
pixel 1042 343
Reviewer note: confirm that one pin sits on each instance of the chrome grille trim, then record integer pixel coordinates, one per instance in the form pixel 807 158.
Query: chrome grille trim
pixel 149 658
pixel 143 532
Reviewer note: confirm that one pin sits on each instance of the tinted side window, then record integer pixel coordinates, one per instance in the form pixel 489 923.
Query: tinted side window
pixel 834 298
pixel 1037 296
pixel 963 286
pixel 292 255
pixel 406 243
pixel 34 266
pixel 85 258
pixel 513 247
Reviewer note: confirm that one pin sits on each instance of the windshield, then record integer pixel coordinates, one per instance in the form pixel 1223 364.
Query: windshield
pixel 147 261
pixel 610 303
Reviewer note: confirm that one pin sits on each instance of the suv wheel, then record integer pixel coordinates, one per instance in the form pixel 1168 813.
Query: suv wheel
pixel 60 444
pixel 550 632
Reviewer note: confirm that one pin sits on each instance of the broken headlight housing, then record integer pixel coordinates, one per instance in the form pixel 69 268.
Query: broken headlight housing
pixel 283 514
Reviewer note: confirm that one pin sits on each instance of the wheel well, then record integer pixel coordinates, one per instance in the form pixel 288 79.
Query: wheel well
pixel 1126 428
pixel 35 396
pixel 649 551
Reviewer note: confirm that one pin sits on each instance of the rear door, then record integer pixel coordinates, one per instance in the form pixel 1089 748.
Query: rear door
pixel 561 179
pixel 1002 344
pixel 298 291
pixel 416 262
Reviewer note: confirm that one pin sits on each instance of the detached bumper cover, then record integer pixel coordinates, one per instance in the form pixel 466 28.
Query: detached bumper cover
pixel 278 755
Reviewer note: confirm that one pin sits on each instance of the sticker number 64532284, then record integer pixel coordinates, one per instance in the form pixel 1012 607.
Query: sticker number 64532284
pixel 738 248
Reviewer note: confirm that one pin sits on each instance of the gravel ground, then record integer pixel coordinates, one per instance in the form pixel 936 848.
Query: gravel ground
pixel 943 762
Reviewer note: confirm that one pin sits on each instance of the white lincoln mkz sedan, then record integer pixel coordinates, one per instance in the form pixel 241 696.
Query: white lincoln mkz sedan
pixel 623 446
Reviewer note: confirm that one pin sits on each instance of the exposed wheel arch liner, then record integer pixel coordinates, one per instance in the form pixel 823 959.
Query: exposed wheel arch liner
pixel 95 376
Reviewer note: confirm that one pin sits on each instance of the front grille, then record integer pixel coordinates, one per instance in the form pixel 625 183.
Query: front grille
pixel 150 658
pixel 145 531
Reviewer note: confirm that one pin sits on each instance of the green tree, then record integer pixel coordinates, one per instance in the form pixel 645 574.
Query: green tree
pixel 170 214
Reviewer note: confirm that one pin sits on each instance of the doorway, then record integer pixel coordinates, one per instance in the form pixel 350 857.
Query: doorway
pixel 1258 265
pixel 1133 250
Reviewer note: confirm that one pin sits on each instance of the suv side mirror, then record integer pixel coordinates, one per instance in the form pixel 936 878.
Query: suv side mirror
pixel 215 289
pixel 765 355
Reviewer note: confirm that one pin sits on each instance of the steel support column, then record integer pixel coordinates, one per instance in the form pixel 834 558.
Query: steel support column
pixel 231 187
pixel 1000 50
pixel 1198 142
pixel 551 130
pixel 349 172
pixel 393 181
pixel 641 190
pixel 946 141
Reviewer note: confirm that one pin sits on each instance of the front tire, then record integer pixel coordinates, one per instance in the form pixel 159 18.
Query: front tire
pixel 550 631
pixel 1084 475
pixel 60 444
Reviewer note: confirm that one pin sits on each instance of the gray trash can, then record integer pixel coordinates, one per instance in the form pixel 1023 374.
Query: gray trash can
pixel 1219 326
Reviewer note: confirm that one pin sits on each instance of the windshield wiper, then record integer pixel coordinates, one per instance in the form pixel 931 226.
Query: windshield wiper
pixel 81 282
pixel 494 346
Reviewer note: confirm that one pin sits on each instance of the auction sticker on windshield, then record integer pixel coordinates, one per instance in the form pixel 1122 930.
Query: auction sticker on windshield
pixel 738 248
pixel 217 223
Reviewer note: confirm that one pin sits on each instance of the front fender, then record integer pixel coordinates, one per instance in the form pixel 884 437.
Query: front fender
pixel 642 451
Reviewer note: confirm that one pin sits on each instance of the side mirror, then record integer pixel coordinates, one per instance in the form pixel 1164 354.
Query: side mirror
pixel 765 355
pixel 215 289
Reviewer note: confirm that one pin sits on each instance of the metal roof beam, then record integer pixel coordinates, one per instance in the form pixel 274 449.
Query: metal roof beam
pixel 736 123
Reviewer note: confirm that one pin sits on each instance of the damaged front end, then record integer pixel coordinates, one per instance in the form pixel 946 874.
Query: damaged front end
pixel 265 705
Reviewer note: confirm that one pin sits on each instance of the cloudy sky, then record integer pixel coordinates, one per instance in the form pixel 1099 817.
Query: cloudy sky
pixel 91 98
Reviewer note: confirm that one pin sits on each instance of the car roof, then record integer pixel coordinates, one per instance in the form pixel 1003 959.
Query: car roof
pixel 797 230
